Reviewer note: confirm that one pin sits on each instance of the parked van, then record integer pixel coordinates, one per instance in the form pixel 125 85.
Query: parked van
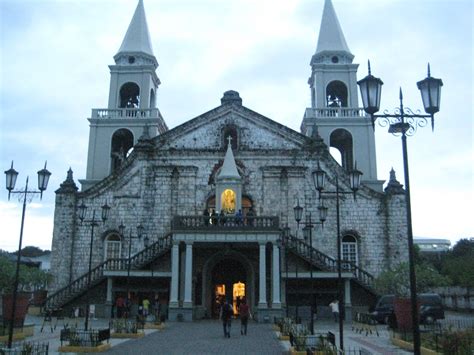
pixel 431 308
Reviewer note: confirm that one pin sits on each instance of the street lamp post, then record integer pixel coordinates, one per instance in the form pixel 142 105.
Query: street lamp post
pixel 309 224
pixel 25 195
pixel 93 222
pixel 404 122
pixel 319 177
pixel 130 237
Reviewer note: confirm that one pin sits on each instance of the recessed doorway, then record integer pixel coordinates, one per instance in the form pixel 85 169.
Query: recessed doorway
pixel 229 282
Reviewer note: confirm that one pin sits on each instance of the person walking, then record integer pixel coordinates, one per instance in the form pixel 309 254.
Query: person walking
pixel 146 307
pixel 226 317
pixel 335 309
pixel 244 311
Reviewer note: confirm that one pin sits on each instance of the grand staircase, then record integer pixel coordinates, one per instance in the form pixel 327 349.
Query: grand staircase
pixel 326 263
pixel 83 283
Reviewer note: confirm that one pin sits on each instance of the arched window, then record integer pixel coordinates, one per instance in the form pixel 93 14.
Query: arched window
pixel 113 246
pixel 336 94
pixel 349 250
pixel 122 143
pixel 341 140
pixel 129 95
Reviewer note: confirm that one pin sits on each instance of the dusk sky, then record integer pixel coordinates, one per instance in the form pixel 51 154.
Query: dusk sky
pixel 54 59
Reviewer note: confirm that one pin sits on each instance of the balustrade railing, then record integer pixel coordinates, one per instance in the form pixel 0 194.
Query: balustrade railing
pixel 125 113
pixel 82 283
pixel 325 262
pixel 214 223
pixel 338 112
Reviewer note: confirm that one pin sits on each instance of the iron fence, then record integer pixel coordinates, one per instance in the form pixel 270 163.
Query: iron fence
pixel 84 338
pixel 25 347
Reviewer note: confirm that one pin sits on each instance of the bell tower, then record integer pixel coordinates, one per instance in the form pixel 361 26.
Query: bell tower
pixel 132 103
pixel 335 113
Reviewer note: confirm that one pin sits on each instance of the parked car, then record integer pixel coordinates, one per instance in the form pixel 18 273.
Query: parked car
pixel 431 308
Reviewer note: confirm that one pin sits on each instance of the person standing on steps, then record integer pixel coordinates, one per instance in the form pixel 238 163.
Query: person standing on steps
pixel 226 317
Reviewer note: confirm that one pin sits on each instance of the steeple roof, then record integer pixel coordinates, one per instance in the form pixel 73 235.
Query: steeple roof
pixel 137 38
pixel 229 169
pixel 331 37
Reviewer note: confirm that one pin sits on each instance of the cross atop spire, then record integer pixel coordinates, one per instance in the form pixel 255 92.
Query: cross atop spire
pixel 137 38
pixel 229 168
pixel 331 38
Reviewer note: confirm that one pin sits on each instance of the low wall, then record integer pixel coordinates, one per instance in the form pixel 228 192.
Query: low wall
pixel 456 298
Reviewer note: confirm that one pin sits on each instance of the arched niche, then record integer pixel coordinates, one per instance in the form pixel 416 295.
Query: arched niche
pixel 247 204
pixel 341 139
pixel 130 95
pixel 232 131
pixel 336 94
pixel 122 143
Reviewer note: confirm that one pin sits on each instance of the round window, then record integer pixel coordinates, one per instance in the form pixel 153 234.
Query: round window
pixel 131 60
pixel 335 59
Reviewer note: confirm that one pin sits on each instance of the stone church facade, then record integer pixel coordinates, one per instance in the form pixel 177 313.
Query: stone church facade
pixel 205 211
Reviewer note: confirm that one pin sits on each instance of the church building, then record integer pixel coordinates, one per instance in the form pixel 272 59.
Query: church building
pixel 227 205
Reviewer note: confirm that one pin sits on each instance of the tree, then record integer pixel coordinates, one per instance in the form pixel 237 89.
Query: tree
pixel 32 251
pixel 397 280
pixel 459 263
pixel 30 278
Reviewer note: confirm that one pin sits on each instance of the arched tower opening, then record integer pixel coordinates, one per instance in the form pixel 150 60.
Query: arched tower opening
pixel 152 98
pixel 341 139
pixel 130 95
pixel 336 94
pixel 122 143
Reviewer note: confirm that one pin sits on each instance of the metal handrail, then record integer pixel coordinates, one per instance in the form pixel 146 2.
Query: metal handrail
pixel 327 262
pixel 80 285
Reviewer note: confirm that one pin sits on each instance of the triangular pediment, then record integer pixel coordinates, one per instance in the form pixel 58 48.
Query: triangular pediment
pixel 255 131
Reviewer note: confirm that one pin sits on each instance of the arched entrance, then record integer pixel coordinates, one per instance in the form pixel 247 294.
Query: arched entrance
pixel 228 281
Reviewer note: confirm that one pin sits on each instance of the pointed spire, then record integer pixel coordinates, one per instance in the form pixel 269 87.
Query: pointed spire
pixel 229 168
pixel 331 37
pixel 393 186
pixel 68 186
pixel 137 38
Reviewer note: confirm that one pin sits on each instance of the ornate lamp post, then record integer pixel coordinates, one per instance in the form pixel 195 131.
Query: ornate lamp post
pixel 309 224
pixel 93 222
pixel 319 177
pixel 139 235
pixel 25 195
pixel 403 121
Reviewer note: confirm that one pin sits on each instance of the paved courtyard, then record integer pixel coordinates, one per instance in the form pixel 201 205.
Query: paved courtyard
pixel 206 337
